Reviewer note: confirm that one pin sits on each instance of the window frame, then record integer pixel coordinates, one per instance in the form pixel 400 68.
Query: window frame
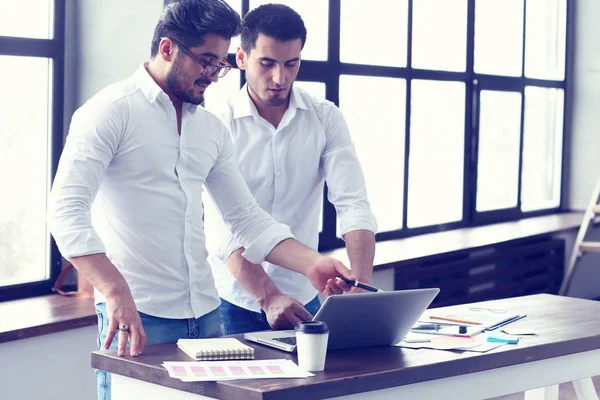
pixel 329 71
pixel 53 49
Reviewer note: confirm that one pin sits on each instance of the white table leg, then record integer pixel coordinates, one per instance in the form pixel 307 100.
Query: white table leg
pixel 545 393
pixel 585 390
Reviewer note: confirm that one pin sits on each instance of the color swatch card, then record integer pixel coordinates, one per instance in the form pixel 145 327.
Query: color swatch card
pixel 229 370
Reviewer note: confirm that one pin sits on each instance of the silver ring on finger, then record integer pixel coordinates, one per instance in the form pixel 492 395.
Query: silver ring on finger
pixel 124 328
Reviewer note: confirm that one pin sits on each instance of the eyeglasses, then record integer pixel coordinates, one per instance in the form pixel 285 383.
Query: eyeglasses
pixel 208 70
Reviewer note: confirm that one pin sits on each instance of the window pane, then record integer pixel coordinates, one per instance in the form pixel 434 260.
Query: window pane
pixel 17 18
pixel 317 89
pixel 23 169
pixel 377 129
pixel 499 37
pixel 217 94
pixel 371 36
pixel 498 158
pixel 315 15
pixel 431 50
pixel 545 37
pixel 435 174
pixel 542 148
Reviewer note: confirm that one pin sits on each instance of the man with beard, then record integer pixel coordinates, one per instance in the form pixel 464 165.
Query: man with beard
pixel 141 151
pixel 287 145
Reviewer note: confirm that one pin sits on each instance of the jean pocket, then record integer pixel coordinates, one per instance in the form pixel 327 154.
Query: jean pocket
pixel 100 329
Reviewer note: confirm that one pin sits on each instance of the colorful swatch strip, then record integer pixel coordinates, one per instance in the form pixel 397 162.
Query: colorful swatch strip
pixel 230 370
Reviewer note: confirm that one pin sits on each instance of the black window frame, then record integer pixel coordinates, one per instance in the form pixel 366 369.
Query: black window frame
pixel 54 49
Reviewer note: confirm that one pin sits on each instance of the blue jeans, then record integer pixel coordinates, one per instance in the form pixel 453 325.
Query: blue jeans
pixel 158 330
pixel 239 320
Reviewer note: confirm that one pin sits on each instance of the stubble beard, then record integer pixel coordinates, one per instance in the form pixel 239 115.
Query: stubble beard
pixel 176 87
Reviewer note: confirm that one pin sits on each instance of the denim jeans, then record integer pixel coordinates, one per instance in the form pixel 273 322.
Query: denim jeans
pixel 239 320
pixel 158 330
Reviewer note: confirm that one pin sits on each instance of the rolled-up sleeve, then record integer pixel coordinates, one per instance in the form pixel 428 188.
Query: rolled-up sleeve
pixel 346 188
pixel 91 144
pixel 251 227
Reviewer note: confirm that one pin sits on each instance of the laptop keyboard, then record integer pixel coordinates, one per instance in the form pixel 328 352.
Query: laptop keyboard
pixel 291 340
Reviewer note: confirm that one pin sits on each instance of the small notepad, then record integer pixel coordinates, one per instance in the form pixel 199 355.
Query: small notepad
pixel 216 349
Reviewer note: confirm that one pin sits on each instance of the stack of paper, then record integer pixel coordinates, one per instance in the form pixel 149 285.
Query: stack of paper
pixel 229 370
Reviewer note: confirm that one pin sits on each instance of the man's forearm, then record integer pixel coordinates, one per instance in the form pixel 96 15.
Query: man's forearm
pixel 293 255
pixel 252 277
pixel 101 274
pixel 360 246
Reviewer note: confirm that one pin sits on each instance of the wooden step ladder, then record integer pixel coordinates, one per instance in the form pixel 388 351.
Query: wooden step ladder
pixel 591 216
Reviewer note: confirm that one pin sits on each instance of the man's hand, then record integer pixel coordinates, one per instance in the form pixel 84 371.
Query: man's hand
pixel 121 311
pixel 120 307
pixel 284 312
pixel 322 274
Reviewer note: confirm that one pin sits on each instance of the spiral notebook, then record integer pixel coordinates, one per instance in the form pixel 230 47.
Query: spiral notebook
pixel 216 349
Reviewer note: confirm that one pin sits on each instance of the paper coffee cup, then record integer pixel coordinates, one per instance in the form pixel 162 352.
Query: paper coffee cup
pixel 311 345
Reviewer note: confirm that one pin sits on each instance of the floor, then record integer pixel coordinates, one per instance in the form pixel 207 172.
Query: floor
pixel 566 392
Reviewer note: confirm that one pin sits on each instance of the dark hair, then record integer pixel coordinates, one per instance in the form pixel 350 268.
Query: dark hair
pixel 189 20
pixel 274 20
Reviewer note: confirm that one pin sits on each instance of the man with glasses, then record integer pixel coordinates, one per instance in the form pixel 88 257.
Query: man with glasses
pixel 287 144
pixel 141 151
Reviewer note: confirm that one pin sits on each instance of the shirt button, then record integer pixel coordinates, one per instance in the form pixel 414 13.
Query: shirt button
pixel 278 173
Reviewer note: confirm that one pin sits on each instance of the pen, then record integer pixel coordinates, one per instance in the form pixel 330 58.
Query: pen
pixel 458 321
pixel 359 284
pixel 508 321
pixel 428 327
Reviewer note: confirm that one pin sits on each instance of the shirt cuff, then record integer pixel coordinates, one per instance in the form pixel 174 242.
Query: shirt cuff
pixel 259 249
pixel 81 243
pixel 354 220
pixel 231 246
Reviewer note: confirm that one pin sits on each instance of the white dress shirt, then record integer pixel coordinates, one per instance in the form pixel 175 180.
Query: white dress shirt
pixel 285 168
pixel 124 154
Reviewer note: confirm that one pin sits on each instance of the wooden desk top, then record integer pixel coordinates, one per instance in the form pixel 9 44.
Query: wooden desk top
pixel 564 326
pixel 25 318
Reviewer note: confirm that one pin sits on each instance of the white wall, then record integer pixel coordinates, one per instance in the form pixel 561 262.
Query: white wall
pixel 584 154
pixel 54 366
pixel 106 42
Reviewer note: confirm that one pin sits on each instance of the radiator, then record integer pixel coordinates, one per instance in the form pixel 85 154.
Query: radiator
pixel 510 269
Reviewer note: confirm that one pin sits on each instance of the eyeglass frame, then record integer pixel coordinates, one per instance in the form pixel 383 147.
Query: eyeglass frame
pixel 208 69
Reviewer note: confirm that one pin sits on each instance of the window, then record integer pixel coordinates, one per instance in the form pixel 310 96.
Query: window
pixel 31 61
pixel 456 107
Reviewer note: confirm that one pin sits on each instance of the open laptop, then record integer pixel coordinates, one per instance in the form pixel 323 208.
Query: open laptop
pixel 360 320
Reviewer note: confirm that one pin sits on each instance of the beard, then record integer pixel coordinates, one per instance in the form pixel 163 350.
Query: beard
pixel 275 101
pixel 174 80
pixel 267 98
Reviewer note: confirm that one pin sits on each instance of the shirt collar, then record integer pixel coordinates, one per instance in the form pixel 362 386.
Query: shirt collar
pixel 152 91
pixel 244 106
pixel 147 85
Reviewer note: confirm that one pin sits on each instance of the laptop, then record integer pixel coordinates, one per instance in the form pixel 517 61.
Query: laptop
pixel 360 320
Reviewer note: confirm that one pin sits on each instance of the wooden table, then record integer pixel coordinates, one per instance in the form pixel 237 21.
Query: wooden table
pixel 566 348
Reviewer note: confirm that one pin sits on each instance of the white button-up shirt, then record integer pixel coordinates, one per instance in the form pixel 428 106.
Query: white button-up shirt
pixel 285 168
pixel 124 154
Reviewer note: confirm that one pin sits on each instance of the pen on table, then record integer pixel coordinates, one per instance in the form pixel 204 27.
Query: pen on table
pixel 462 330
pixel 459 321
pixel 427 327
pixel 359 284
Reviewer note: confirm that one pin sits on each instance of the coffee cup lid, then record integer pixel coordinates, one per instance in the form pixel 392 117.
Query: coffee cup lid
pixel 312 327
